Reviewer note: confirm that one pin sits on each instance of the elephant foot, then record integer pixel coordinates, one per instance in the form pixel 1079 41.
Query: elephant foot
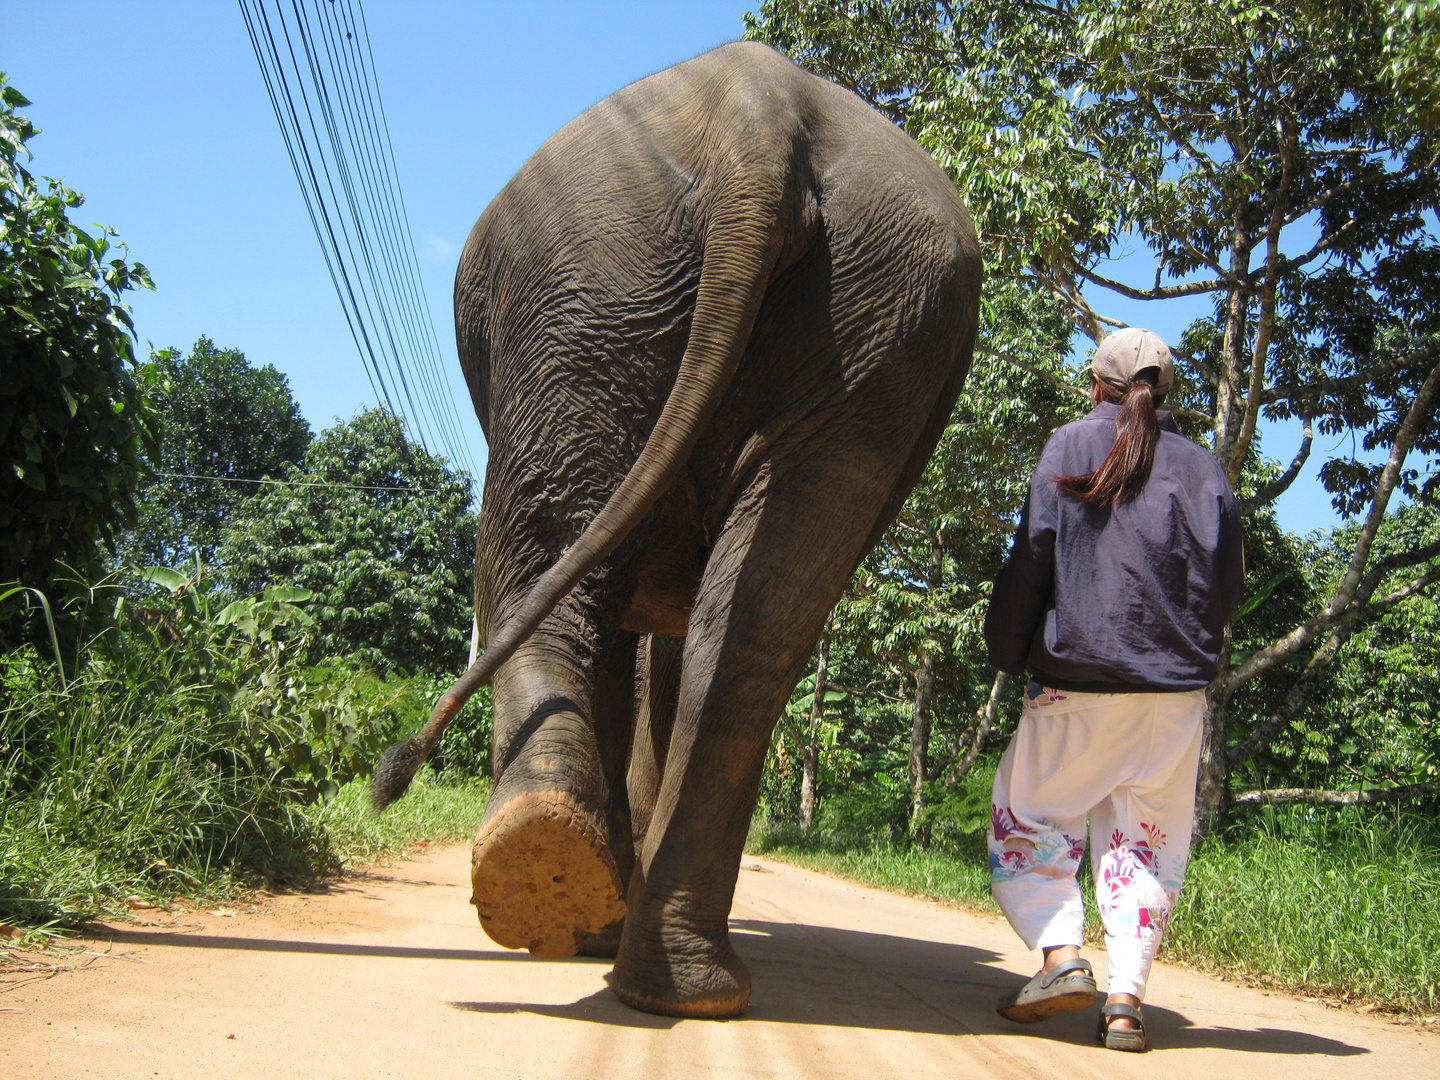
pixel 543 877
pixel 605 944
pixel 681 974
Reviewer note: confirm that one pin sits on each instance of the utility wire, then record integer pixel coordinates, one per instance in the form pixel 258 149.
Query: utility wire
pixel 297 483
pixel 319 220
pixel 317 63
pixel 361 101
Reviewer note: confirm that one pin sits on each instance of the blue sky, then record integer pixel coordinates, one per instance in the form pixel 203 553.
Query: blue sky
pixel 156 113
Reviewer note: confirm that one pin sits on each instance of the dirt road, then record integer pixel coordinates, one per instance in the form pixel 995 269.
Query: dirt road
pixel 389 975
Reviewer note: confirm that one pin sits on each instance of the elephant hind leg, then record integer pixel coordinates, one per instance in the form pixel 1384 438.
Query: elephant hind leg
pixel 781 560
pixel 553 853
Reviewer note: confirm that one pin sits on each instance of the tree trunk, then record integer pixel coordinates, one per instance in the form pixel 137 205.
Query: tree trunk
pixel 810 753
pixel 984 721
pixel 1361 797
pixel 924 694
pixel 920 745
pixel 1212 784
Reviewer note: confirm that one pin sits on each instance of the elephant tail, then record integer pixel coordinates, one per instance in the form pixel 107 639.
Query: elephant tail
pixel 742 247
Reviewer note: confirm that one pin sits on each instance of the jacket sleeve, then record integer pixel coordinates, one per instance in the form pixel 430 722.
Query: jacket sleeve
pixel 1022 591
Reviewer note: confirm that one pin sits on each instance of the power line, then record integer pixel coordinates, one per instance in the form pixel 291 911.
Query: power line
pixel 317 63
pixel 392 224
pixel 298 483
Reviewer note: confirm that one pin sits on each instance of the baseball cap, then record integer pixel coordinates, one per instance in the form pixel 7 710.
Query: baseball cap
pixel 1126 353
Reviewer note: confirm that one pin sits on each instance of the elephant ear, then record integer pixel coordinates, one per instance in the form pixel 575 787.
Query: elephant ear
pixel 741 230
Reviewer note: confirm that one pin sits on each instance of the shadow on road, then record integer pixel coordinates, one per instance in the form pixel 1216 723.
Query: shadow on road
pixel 183 940
pixel 820 975
pixel 845 978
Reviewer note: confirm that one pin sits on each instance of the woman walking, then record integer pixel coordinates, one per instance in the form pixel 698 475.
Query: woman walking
pixel 1125 571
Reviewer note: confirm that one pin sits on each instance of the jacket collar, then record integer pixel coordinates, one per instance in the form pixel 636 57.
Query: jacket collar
pixel 1108 410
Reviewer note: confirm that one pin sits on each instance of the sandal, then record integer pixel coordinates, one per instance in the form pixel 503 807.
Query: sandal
pixel 1064 988
pixel 1132 1039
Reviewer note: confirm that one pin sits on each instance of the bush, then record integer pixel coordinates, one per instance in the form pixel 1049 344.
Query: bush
pixel 186 747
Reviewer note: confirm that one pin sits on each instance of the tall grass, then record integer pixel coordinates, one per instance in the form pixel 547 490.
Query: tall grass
pixel 437 808
pixel 959 876
pixel 1347 902
pixel 1341 902
pixel 117 786
pixel 191 751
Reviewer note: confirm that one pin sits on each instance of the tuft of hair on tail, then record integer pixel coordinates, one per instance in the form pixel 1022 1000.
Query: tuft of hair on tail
pixel 393 773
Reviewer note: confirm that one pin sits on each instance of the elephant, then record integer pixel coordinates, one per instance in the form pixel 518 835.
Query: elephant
pixel 713 330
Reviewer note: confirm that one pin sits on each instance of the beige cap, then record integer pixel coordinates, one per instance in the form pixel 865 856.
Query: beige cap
pixel 1126 353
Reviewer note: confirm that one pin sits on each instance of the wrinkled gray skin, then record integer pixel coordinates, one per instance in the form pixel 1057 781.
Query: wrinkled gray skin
pixel 713 330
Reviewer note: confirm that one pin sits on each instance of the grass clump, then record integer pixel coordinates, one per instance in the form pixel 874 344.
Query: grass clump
pixel 959 874
pixel 186 749
pixel 437 808
pixel 1345 902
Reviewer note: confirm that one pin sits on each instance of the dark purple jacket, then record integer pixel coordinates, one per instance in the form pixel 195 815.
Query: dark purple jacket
pixel 1132 598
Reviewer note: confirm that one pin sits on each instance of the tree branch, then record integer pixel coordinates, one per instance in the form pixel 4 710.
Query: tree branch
pixel 1277 487
pixel 1050 377
pixel 1346 594
pixel 865 691
pixel 1367 797
pixel 983 723
pixel 1397 561
pixel 1299 691
pixel 793 731
pixel 1311 390
pixel 1165 292
pixel 1261 348
pixel 1066 292
pixel 1385 603
pixel 1419 411
pixel 1323 197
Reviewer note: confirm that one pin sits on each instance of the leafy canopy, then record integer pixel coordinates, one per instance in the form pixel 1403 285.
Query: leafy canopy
pixel 73 417
pixel 382 535
pixel 1272 171
pixel 222 422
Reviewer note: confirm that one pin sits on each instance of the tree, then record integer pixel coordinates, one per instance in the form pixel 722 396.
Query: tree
pixel 1276 164
pixel 1369 734
pixel 73 418
pixel 222 422
pixel 380 531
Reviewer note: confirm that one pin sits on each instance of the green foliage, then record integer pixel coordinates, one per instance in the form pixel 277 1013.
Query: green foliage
pixel 437 808
pixel 1193 127
pixel 73 415
pixel 186 744
pixel 396 705
pixel 1345 902
pixel 1372 723
pixel 1276 167
pixel 219 417
pixel 381 532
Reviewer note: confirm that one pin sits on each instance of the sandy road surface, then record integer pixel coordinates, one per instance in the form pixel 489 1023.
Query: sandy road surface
pixel 389 975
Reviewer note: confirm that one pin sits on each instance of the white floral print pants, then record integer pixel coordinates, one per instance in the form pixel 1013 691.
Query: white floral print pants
pixel 1129 762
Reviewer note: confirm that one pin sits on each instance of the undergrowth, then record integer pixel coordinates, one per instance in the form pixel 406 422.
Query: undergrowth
pixel 438 808
pixel 1339 902
pixel 186 749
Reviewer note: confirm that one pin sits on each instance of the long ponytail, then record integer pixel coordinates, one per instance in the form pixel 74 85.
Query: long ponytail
pixel 1126 468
